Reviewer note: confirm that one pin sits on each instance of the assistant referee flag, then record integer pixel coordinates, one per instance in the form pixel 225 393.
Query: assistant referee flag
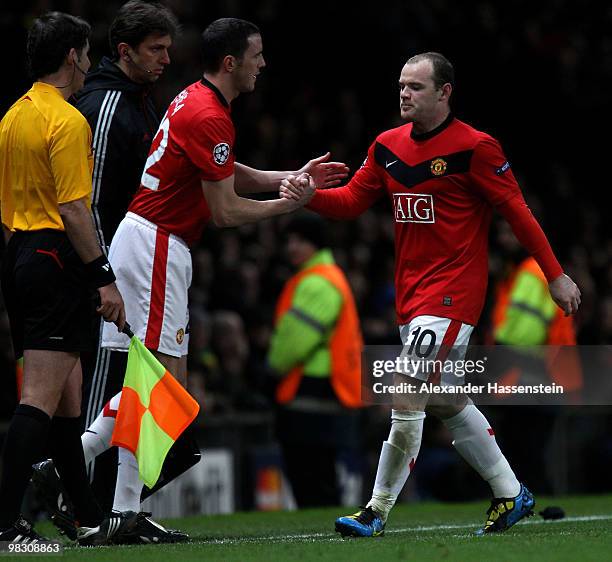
pixel 154 410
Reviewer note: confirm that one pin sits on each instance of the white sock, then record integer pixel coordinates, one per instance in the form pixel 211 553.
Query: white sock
pixel 475 441
pixel 129 486
pixel 97 436
pixel 397 459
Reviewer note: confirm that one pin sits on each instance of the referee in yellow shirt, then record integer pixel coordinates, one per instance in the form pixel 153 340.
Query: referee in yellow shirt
pixel 51 271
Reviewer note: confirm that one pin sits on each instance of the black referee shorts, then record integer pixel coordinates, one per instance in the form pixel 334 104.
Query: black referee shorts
pixel 47 297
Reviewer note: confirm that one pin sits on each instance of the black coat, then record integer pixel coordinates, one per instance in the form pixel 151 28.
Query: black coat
pixel 123 121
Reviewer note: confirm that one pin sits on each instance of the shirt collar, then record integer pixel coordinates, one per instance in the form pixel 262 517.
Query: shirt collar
pixel 216 90
pixel 433 132
pixel 43 87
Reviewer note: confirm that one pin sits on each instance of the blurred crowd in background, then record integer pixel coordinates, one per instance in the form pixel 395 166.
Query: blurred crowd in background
pixel 531 74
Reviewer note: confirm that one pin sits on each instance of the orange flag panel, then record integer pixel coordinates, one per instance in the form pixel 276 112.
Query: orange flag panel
pixel 127 432
pixel 172 408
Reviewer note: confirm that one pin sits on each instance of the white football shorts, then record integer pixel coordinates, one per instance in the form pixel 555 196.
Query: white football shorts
pixel 153 270
pixel 431 345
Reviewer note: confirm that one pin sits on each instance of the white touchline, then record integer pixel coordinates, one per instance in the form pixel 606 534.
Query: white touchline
pixel 334 537
pixel 526 522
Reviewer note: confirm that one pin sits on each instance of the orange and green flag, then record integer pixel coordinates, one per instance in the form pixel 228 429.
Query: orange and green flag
pixel 154 410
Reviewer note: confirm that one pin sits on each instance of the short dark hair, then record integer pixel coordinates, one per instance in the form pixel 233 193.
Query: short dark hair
pixel 50 39
pixel 311 228
pixel 136 20
pixel 443 71
pixel 225 36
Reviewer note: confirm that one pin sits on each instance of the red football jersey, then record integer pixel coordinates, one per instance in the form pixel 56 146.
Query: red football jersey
pixel 195 141
pixel 443 186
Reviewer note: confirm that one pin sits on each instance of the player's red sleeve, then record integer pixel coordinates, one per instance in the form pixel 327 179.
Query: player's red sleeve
pixel 352 199
pixel 491 173
pixel 530 235
pixel 346 202
pixel 210 147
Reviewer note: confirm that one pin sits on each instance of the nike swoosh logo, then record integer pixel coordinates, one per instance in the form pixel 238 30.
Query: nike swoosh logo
pixel 387 164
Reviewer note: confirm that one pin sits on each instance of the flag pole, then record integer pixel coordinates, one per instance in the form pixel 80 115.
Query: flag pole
pixel 127 330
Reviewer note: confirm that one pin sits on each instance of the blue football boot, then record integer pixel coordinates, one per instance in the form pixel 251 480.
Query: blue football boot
pixel 364 523
pixel 505 512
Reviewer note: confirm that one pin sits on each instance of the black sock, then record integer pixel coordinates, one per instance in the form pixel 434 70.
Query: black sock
pixel 24 445
pixel 67 453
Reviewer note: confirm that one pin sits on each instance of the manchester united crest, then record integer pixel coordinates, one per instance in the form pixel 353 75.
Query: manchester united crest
pixel 180 334
pixel 438 167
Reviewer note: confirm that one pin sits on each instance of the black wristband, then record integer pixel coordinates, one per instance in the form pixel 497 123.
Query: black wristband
pixel 99 272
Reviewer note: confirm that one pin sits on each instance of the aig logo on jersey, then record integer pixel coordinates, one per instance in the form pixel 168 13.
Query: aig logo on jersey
pixel 413 207
pixel 221 153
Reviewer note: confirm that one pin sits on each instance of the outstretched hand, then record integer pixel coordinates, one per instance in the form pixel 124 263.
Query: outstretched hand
pixel 324 173
pixel 565 293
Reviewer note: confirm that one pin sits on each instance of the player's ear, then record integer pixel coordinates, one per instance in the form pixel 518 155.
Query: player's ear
pixel 445 92
pixel 229 63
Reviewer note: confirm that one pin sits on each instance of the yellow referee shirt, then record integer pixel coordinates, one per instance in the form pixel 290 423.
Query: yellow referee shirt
pixel 45 159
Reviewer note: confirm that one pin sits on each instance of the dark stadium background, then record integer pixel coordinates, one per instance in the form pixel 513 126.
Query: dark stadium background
pixel 536 75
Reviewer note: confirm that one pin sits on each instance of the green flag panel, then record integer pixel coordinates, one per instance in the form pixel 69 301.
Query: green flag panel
pixel 153 445
pixel 143 371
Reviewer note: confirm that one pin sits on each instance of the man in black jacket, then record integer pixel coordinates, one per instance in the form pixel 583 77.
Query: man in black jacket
pixel 116 102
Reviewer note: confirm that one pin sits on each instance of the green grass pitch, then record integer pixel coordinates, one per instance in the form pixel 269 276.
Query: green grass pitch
pixel 423 532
